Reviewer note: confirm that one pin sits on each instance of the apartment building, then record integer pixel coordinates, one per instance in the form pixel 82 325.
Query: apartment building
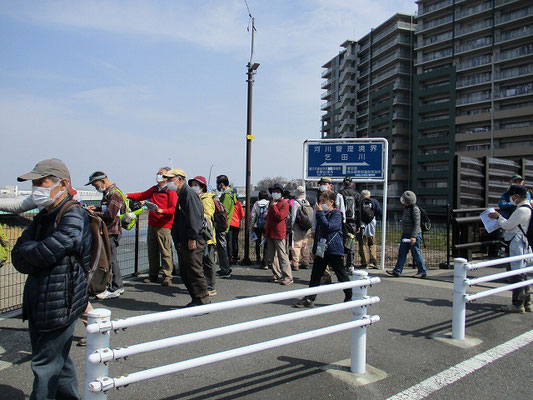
pixel 472 91
pixel 368 93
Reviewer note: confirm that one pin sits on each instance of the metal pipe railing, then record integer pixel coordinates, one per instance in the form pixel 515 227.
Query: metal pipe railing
pixel 99 353
pixel 461 284
pixel 227 305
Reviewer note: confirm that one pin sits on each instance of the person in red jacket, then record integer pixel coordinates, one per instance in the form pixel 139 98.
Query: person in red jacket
pixel 234 228
pixel 275 233
pixel 160 222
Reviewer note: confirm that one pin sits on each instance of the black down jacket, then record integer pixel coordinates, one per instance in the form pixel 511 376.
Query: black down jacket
pixel 56 258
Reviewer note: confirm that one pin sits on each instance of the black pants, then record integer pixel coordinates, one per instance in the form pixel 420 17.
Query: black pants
pixel 350 227
pixel 336 263
pixel 233 243
pixel 192 271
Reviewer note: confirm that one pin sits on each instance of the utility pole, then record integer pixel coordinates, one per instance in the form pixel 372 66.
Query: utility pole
pixel 252 67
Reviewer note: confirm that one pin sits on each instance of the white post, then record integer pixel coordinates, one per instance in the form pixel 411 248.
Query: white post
pixel 96 341
pixel 358 356
pixel 459 302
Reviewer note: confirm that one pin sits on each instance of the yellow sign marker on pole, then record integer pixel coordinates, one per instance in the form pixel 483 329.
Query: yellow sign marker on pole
pixel 250 137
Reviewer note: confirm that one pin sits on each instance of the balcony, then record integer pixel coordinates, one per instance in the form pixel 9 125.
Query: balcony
pixel 443 37
pixel 515 53
pixel 515 34
pixel 473 45
pixel 473 63
pixel 519 90
pixel 326 95
pixel 434 7
pixel 327 83
pixel 474 27
pixel 434 23
pixel 515 72
pixel 326 73
pixel 473 10
pixel 515 15
pixel 390 44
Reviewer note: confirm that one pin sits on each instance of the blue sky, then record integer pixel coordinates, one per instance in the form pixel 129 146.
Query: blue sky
pixel 122 86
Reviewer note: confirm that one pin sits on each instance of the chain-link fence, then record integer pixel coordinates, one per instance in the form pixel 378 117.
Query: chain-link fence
pixel 133 258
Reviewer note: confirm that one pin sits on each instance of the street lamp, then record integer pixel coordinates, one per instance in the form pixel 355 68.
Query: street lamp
pixel 252 67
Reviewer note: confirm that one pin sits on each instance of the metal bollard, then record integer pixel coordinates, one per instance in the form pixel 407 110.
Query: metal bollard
pixel 459 303
pixel 96 341
pixel 358 345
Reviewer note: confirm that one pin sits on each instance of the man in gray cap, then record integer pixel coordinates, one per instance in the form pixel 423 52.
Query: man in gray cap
pixel 112 205
pixel 52 251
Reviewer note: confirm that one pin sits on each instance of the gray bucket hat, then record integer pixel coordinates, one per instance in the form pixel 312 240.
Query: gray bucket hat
pixel 96 176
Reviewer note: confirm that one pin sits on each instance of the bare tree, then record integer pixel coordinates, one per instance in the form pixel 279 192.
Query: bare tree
pixel 268 182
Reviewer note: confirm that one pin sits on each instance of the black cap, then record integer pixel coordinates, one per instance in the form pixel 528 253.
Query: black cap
pixel 277 186
pixel 520 190
pixel 96 176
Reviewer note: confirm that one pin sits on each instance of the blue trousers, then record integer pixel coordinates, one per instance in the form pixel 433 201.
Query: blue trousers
pixel 53 369
pixel 415 252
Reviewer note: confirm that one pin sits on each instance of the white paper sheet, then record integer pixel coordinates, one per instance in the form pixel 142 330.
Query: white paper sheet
pixel 490 224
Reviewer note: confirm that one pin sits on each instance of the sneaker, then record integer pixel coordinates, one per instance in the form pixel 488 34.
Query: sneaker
pixel 82 342
pixel 150 280
pixel 119 291
pixel 103 295
pixel 392 272
pixel 167 282
pixel 527 308
pixel 275 279
pixel 372 265
pixel 304 303
pixel 286 282
pixel 212 293
pixel 224 275
pixel 513 309
pixel 295 268
pixel 420 276
pixel 264 266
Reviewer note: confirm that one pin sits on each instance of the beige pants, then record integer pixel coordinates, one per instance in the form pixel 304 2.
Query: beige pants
pixel 300 254
pixel 276 253
pixel 159 251
pixel 368 245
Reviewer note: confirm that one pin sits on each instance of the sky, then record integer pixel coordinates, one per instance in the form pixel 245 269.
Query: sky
pixel 130 86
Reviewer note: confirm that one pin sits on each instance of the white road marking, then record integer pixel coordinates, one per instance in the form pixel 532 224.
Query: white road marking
pixel 459 371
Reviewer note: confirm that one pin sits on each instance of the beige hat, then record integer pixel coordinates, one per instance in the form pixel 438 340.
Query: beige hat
pixel 300 191
pixel 50 167
pixel 326 179
pixel 175 172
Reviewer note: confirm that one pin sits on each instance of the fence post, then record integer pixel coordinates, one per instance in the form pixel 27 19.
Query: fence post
pixel 358 345
pixel 459 303
pixel 96 341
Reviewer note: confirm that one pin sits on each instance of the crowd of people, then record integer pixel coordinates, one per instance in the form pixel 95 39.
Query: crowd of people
pixel 290 231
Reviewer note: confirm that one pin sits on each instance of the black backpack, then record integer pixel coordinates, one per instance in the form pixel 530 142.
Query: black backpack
pixel 220 218
pixel 529 233
pixel 425 222
pixel 304 216
pixel 351 202
pixel 367 211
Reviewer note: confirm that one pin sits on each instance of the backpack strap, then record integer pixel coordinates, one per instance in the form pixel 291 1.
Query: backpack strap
pixel 530 245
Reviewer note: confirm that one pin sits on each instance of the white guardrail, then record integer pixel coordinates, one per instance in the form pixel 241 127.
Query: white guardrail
pixel 99 354
pixel 461 284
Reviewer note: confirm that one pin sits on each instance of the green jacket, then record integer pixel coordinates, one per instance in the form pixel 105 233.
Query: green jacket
pixel 229 199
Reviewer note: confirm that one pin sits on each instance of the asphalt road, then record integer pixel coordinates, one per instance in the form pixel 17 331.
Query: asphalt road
pixel 402 345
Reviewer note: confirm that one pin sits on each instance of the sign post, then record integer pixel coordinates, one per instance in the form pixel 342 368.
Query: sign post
pixel 364 159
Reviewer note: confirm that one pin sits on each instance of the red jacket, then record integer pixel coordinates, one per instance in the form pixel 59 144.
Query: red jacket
pixel 276 227
pixel 238 215
pixel 165 199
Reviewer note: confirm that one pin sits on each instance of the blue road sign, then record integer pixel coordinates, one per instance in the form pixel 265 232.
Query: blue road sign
pixel 337 160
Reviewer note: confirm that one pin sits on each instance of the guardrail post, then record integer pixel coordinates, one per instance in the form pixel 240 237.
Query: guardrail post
pixel 459 302
pixel 358 345
pixel 96 341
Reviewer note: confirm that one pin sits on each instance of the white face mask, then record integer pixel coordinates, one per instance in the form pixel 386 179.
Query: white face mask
pixel 325 207
pixel 323 188
pixel 101 188
pixel 41 195
pixel 276 196
pixel 159 178
pixel 196 189
pixel 171 185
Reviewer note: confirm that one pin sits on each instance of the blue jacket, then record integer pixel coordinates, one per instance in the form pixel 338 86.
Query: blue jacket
pixel 329 226
pixel 506 206
pixel 56 259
